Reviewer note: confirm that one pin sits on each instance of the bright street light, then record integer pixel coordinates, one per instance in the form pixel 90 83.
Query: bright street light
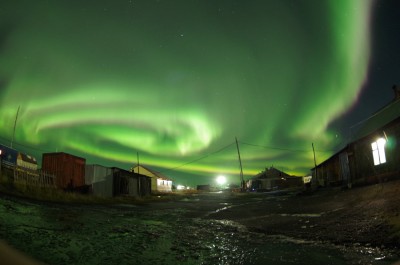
pixel 221 180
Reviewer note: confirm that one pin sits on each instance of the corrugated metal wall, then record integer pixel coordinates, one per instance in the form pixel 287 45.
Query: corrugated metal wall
pixel 68 169
pixel 100 178
pixel 144 185
pixel 130 183
pixel 133 189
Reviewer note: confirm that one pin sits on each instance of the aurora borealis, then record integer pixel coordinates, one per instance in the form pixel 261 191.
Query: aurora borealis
pixel 177 81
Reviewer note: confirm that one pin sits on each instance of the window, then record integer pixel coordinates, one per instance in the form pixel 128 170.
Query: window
pixel 378 151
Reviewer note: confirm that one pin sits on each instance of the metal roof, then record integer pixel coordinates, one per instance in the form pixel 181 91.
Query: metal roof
pixel 28 158
pixel 155 173
pixel 378 120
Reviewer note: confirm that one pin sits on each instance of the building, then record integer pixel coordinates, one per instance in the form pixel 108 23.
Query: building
pixel 109 182
pixel 68 169
pixel 130 183
pixel 18 167
pixel 273 179
pixel 100 180
pixel 371 156
pixel 11 157
pixel 204 187
pixel 159 182
pixel 26 161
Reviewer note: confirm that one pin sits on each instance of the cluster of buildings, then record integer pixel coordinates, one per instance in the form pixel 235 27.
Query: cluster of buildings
pixel 71 173
pixel 372 155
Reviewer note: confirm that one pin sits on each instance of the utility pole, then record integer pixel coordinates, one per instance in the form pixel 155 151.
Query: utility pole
pixel 241 169
pixel 315 164
pixel 138 162
pixel 1 161
pixel 15 125
pixel 140 181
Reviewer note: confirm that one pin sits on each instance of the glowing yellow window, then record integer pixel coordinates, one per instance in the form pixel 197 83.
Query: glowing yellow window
pixel 378 151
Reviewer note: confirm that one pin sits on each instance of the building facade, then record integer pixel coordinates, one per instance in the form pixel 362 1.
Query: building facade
pixel 110 182
pixel 68 169
pixel 372 156
pixel 159 182
pixel 273 179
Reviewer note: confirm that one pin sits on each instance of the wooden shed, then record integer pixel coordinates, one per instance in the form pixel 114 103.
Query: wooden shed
pixel 129 183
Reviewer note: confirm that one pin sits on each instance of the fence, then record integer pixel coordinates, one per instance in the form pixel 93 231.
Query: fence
pixel 28 177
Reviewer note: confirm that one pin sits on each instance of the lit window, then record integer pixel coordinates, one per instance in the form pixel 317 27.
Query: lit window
pixel 378 151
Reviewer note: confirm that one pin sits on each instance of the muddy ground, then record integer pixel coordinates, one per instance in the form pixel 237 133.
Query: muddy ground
pixel 368 216
pixel 355 226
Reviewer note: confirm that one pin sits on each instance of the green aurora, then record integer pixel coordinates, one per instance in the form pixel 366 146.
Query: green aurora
pixel 177 81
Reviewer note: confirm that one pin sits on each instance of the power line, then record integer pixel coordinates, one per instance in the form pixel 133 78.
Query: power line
pixel 200 158
pixel 4 140
pixel 284 149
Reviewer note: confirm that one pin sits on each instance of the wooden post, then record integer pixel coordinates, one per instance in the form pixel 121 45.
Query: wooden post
pixel 242 186
pixel 15 125
pixel 315 164
pixel 1 162
pixel 138 162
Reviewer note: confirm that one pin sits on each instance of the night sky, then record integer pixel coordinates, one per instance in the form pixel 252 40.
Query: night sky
pixel 177 81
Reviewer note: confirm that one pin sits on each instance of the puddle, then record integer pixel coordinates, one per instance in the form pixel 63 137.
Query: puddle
pixel 302 214
pixel 190 200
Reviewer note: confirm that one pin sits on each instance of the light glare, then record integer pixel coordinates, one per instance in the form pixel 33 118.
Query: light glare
pixel 221 180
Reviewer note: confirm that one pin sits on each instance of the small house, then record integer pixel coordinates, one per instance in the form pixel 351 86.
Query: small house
pixel 159 182
pixel 371 156
pixel 273 179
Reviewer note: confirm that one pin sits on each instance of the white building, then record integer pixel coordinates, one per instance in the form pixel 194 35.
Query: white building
pixel 159 182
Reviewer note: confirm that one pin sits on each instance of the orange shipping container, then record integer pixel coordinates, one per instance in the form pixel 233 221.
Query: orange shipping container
pixel 68 169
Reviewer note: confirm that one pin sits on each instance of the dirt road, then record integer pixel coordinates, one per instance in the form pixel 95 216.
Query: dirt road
pixel 328 227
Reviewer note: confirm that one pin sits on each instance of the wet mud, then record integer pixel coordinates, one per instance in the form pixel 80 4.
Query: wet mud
pixel 199 229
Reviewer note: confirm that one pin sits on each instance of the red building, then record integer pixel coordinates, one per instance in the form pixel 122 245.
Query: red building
pixel 68 169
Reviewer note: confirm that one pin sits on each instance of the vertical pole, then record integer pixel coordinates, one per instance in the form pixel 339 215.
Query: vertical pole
pixel 15 125
pixel 241 169
pixel 139 178
pixel 315 164
pixel 137 162
pixel 1 162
